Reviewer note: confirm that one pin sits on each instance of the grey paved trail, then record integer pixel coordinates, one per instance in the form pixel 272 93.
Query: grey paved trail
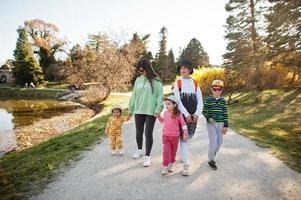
pixel 246 171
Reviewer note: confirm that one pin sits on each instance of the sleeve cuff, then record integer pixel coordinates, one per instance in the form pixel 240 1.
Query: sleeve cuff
pixel 198 113
pixel 186 114
pixel 158 111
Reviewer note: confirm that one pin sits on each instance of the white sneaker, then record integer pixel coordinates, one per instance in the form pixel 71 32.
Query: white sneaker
pixel 137 154
pixel 164 170
pixel 170 167
pixel 180 159
pixel 147 161
pixel 185 170
pixel 114 152
pixel 121 151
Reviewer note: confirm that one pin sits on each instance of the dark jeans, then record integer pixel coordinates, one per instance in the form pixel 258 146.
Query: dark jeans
pixel 191 127
pixel 149 122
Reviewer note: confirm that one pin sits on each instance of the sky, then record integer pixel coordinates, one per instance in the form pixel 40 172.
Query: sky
pixel 184 20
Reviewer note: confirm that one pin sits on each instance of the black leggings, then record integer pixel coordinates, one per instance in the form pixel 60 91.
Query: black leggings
pixel 149 122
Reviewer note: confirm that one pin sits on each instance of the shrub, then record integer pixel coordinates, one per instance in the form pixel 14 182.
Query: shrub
pixel 205 76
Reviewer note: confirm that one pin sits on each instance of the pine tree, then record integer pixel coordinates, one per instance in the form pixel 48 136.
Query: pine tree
pixel 161 59
pixel 26 68
pixel 195 53
pixel 284 33
pixel 171 66
pixel 284 26
pixel 245 47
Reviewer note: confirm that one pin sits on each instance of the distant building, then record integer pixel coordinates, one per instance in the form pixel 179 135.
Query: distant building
pixel 6 76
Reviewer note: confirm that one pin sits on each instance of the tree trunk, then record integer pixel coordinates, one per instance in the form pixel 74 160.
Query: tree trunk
pixel 253 28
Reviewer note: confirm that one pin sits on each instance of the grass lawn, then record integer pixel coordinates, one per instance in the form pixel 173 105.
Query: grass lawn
pixel 7 92
pixel 271 118
pixel 57 85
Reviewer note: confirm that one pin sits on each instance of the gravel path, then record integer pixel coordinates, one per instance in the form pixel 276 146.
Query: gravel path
pixel 246 171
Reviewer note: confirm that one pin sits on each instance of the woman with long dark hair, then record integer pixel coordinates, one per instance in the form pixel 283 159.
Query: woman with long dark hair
pixel 146 104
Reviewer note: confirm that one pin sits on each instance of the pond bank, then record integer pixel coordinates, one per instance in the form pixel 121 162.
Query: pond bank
pixel 33 115
pixel 47 128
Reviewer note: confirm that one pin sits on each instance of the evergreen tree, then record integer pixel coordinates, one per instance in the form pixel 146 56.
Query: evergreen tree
pixel 284 33
pixel 195 53
pixel 161 60
pixel 171 65
pixel 284 26
pixel 245 48
pixel 26 68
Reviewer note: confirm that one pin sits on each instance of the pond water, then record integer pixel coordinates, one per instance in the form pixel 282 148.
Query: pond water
pixel 18 113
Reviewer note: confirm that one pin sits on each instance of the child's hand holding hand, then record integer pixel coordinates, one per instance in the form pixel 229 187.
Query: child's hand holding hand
pixel 195 118
pixel 211 120
pixel 185 137
pixel 189 119
pixel 129 117
pixel 224 130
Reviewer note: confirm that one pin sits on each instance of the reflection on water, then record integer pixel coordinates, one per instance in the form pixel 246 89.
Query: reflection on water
pixel 6 119
pixel 25 112
pixel 7 135
pixel 17 113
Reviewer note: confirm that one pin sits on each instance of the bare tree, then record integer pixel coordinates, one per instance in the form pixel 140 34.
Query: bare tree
pixel 104 62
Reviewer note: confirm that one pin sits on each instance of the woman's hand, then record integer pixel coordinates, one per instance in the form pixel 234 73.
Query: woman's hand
pixel 185 136
pixel 157 114
pixel 189 119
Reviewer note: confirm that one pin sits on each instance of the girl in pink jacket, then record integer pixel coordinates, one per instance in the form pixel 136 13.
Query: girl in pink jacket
pixel 173 123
